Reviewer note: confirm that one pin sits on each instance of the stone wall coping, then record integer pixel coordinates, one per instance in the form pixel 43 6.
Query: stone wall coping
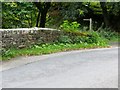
pixel 29 29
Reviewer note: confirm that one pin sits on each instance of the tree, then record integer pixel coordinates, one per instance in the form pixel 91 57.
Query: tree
pixel 105 13
pixel 18 14
pixel 52 14
pixel 111 14
pixel 43 8
pixel 114 13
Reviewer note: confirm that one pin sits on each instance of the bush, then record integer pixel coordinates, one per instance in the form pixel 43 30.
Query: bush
pixel 64 39
pixel 92 37
pixel 107 33
pixel 89 38
pixel 78 39
pixel 67 26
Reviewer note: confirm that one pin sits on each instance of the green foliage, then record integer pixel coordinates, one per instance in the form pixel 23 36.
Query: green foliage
pixel 113 7
pixel 47 49
pixel 92 37
pixel 7 54
pixel 96 38
pixel 67 26
pixel 108 34
pixel 24 14
pixel 18 14
pixel 83 37
pixel 77 37
pixel 65 42
pixel 71 10
pixel 64 39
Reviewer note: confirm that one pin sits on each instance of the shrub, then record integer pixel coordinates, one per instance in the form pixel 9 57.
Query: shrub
pixel 107 33
pixel 80 39
pixel 64 39
pixel 92 37
pixel 67 26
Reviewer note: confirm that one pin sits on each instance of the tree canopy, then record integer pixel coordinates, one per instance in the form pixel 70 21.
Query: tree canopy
pixel 52 14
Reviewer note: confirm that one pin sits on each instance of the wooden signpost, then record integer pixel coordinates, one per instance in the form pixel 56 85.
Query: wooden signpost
pixel 90 20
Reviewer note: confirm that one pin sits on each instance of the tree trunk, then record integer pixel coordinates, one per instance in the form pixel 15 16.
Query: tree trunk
pixel 43 19
pixel 43 9
pixel 38 18
pixel 105 13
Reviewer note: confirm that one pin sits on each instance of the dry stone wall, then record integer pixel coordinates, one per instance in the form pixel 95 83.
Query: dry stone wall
pixel 24 38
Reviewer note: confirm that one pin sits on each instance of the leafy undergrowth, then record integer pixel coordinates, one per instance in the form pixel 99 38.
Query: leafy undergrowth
pixel 70 39
pixel 109 34
pixel 48 49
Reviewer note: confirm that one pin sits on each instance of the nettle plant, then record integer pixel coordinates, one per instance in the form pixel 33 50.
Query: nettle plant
pixel 67 26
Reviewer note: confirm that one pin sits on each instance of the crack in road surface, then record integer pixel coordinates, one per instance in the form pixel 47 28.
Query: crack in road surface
pixel 92 69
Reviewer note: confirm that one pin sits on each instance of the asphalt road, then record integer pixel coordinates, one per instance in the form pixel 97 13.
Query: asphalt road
pixel 75 69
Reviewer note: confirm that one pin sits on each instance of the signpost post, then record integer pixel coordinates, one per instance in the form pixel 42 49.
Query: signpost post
pixel 90 20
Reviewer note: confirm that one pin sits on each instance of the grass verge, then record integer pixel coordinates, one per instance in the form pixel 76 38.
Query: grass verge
pixel 47 49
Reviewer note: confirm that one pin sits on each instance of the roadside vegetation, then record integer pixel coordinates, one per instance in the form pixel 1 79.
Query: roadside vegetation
pixel 75 40
pixel 67 17
pixel 48 49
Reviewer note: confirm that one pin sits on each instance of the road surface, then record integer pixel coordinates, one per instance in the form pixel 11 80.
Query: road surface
pixel 75 69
